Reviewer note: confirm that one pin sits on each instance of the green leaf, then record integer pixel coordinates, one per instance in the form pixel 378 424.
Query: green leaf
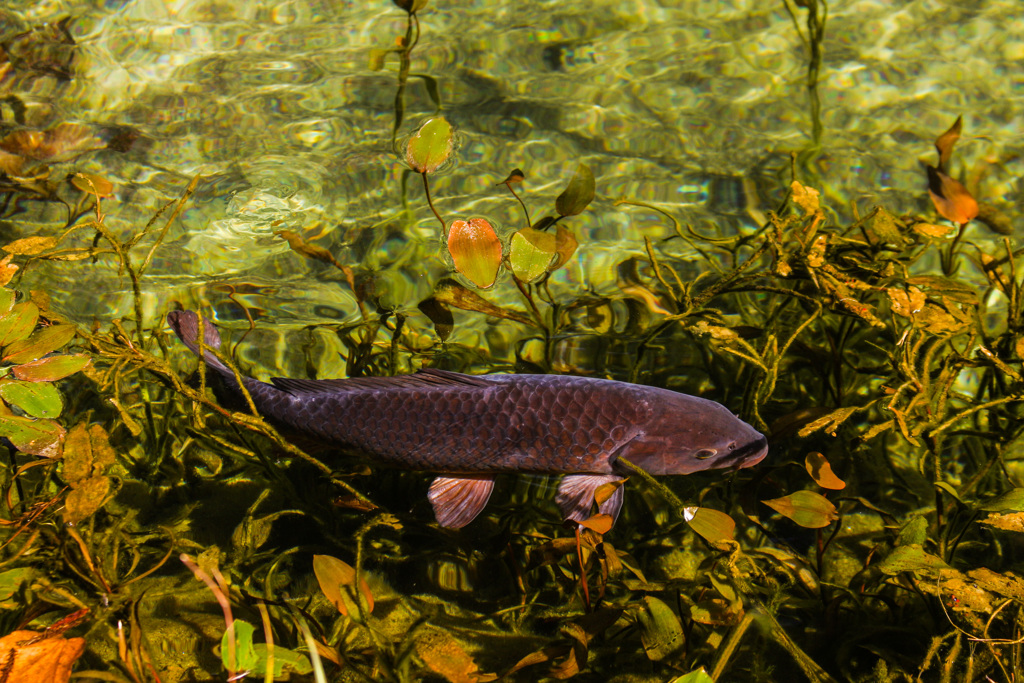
pixel 246 658
pixel 911 558
pixel 578 195
pixel 12 580
pixel 1011 500
pixel 18 323
pixel 660 631
pixel 38 399
pixel 807 508
pixel 914 532
pixel 252 657
pixel 50 369
pixel 430 146
pixel 6 300
pixel 34 437
pixel 711 525
pixel 695 676
pixel 531 253
pixel 475 250
pixel 42 342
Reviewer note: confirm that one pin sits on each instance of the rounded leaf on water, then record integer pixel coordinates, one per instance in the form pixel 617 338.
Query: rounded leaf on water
pixel 711 525
pixel 565 246
pixel 808 509
pixel 430 146
pixel 475 250
pixel 578 194
pixel 38 399
pixel 531 253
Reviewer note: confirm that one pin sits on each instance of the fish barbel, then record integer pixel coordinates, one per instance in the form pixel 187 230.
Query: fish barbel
pixel 468 428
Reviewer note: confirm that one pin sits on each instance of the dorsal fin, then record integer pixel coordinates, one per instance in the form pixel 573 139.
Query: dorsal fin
pixel 428 377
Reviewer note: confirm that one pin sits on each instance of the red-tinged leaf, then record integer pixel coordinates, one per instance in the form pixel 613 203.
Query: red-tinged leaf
pixel 34 437
pixel 950 197
pixel 18 323
pixel 476 251
pixel 51 369
pixel 531 253
pixel 430 146
pixel 712 525
pixel 565 247
pixel 515 177
pixel 40 343
pixel 808 509
pixel 337 581
pixel 599 524
pixel 821 472
pixel 944 143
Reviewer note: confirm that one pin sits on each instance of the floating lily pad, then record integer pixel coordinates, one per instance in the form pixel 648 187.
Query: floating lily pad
pixel 38 399
pixel 531 253
pixel 475 250
pixel 430 146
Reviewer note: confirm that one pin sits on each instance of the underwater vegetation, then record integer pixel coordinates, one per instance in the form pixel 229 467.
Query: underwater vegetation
pixel 149 532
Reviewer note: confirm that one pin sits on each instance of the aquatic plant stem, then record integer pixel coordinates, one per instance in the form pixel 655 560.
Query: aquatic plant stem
pixel 430 203
pixel 225 606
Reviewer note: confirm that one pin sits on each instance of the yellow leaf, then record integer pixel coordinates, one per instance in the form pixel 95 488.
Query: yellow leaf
pixel 31 657
pixel 821 472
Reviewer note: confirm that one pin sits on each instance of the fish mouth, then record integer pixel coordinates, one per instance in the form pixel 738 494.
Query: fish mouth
pixel 750 454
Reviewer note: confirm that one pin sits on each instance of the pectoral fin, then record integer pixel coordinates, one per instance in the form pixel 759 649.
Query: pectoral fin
pixel 458 500
pixel 576 496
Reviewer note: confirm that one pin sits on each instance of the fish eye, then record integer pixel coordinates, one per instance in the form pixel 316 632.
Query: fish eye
pixel 705 453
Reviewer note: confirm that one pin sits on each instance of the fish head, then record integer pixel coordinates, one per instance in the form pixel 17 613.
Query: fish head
pixel 688 434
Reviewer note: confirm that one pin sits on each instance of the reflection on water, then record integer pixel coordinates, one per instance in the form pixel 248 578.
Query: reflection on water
pixel 695 107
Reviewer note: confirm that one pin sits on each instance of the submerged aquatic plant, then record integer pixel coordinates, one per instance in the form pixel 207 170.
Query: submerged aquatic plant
pixel 878 542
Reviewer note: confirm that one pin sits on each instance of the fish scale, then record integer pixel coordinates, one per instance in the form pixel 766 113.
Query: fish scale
pixel 469 428
pixel 492 428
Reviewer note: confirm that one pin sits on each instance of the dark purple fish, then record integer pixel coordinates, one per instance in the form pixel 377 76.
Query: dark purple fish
pixel 469 428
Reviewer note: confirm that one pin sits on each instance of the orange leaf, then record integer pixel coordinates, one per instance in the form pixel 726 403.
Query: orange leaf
pixel 821 472
pixel 950 197
pixel 37 659
pixel 599 523
pixel 944 143
pixel 337 580
pixel 476 250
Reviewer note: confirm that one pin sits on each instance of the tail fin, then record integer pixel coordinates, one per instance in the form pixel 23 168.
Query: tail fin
pixel 186 325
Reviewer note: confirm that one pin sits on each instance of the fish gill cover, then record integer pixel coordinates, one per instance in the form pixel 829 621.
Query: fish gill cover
pixel 150 533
